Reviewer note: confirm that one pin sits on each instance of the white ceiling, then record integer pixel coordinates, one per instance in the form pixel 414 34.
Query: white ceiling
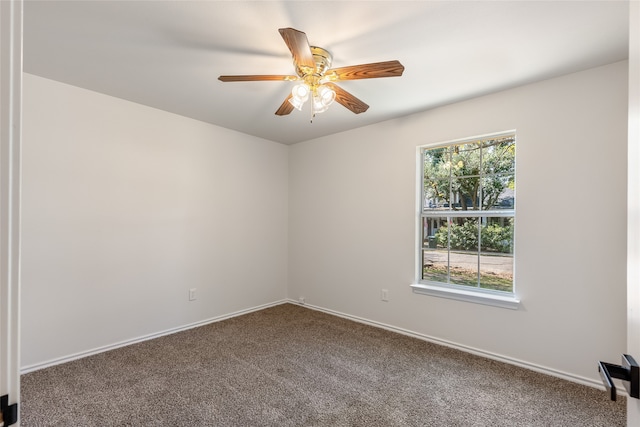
pixel 169 54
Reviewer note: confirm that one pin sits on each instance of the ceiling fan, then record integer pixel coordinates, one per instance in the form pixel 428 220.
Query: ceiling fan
pixel 316 78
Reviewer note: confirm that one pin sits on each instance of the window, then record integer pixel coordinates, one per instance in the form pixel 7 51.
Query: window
pixel 467 218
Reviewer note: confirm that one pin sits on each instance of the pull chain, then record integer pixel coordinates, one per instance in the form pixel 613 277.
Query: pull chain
pixel 312 112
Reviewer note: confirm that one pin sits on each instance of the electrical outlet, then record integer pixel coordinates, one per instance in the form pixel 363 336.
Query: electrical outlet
pixel 384 295
pixel 301 300
pixel 192 294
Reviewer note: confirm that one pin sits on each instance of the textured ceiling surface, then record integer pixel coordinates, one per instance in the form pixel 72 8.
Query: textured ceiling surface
pixel 169 54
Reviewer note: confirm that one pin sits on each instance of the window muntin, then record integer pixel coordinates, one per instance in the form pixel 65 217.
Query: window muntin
pixel 468 214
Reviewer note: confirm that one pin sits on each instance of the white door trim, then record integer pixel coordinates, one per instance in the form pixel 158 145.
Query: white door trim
pixel 10 144
pixel 633 202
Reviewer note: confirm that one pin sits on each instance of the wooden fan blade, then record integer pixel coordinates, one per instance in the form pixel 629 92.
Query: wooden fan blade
pixel 367 71
pixel 255 78
pixel 285 108
pixel 299 46
pixel 349 101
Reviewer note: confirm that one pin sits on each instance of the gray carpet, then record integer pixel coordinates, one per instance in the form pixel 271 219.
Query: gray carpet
pixel 292 366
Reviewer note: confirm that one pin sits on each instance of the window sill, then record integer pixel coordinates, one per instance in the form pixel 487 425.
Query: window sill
pixel 503 301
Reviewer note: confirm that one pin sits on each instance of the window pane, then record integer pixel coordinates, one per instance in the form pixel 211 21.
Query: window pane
pixel 463 246
pixel 435 252
pixel 437 174
pixel 497 235
pixel 498 191
pixel 463 234
pixel 466 193
pixel 434 159
pixel 465 160
pixel 430 227
pixel 464 268
pixel 498 156
pixel 435 265
pixel 496 272
pixel 436 194
pixel 496 259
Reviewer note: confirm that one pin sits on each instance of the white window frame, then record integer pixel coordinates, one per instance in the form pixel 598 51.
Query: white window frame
pixel 443 290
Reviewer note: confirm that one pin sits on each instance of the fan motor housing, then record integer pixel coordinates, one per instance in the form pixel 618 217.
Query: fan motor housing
pixel 322 59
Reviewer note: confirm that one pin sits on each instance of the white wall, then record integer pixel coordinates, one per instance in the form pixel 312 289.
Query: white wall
pixel 352 223
pixel 125 208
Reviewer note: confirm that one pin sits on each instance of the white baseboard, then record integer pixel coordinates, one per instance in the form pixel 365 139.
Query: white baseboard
pixel 489 355
pixel 494 356
pixel 80 355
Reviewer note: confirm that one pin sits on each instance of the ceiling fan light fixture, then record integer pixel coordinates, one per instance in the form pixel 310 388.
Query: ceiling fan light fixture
pixel 322 102
pixel 323 97
pixel 296 102
pixel 318 106
pixel 301 91
pixel 327 95
pixel 299 95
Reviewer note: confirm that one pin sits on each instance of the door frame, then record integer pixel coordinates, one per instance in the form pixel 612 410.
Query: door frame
pixel 633 202
pixel 11 21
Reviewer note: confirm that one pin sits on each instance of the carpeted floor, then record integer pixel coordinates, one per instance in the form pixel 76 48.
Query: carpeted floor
pixel 292 366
